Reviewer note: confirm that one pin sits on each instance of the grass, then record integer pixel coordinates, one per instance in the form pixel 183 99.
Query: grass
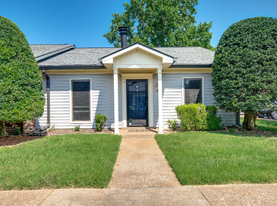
pixel 200 158
pixel 266 125
pixel 75 161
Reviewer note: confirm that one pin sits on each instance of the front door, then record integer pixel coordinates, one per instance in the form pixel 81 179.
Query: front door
pixel 137 103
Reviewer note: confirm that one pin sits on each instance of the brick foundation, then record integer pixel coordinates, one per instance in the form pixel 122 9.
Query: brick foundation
pixel 11 127
pixel 29 126
pixel 26 127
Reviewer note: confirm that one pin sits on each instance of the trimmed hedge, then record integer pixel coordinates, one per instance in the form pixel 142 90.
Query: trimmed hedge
pixel 21 87
pixel 192 116
pixel 244 73
pixel 195 117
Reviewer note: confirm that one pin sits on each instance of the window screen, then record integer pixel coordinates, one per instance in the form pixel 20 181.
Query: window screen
pixel 81 100
pixel 193 91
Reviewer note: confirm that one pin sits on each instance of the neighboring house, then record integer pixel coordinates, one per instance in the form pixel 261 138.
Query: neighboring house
pixel 133 86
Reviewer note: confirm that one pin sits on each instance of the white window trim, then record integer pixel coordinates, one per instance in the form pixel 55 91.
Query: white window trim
pixel 183 87
pixel 70 102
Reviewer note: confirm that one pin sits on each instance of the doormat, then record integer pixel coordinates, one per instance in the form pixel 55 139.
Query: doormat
pixel 139 130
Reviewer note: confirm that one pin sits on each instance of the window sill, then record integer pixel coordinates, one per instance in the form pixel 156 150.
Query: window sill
pixel 81 122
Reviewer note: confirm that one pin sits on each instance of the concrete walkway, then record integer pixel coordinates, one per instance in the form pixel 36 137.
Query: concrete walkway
pixel 234 195
pixel 141 163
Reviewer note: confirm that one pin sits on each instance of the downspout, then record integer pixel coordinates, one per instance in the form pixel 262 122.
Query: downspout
pixel 238 118
pixel 48 97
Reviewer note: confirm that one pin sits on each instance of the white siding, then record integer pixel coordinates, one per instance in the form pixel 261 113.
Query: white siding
pixel 172 96
pixel 102 100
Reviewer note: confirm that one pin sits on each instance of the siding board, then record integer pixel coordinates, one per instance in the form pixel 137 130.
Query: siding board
pixel 102 99
pixel 172 96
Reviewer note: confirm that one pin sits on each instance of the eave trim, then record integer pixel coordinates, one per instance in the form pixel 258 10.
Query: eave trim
pixel 190 65
pixel 66 67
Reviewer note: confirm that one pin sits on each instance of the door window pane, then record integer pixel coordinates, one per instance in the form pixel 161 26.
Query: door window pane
pixel 137 103
pixel 81 100
pixel 193 91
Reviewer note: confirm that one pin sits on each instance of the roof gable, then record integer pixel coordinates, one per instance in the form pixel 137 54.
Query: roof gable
pixel 43 51
pixel 108 59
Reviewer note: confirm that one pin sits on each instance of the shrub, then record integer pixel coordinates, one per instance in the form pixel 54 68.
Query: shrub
pixel 17 131
pixel 100 120
pixel 21 87
pixel 77 128
pixel 52 128
pixel 172 124
pixel 213 121
pixel 245 68
pixel 192 116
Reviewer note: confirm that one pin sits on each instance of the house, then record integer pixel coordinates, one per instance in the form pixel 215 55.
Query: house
pixel 133 86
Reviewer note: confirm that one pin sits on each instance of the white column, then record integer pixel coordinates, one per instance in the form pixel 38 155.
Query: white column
pixel 160 95
pixel 115 86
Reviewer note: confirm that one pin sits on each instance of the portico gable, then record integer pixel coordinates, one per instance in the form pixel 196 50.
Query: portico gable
pixel 137 61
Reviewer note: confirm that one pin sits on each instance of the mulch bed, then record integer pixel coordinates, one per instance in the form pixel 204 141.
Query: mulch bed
pixel 82 131
pixel 16 139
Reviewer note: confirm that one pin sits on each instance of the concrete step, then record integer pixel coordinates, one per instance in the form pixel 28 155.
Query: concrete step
pixel 138 135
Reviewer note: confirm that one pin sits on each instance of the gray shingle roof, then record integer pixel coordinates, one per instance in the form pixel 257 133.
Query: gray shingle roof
pixel 42 49
pixel 79 56
pixel 90 56
pixel 189 55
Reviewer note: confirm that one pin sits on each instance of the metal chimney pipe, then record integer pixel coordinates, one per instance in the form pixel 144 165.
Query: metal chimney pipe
pixel 123 34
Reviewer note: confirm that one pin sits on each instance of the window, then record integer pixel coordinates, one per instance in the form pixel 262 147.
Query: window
pixel 192 91
pixel 81 100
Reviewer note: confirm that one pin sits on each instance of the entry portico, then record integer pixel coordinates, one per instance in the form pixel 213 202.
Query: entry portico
pixel 137 61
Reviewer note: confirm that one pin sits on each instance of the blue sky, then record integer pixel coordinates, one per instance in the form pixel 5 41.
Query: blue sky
pixel 84 22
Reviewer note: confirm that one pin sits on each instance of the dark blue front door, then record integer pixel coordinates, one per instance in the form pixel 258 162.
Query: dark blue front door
pixel 137 103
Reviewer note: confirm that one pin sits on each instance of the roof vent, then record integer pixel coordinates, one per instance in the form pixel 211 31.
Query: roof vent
pixel 123 34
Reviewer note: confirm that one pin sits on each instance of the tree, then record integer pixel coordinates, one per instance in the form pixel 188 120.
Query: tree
pixel 160 23
pixel 21 87
pixel 245 68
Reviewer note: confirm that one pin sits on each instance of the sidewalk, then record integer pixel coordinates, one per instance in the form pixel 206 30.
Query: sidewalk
pixel 182 195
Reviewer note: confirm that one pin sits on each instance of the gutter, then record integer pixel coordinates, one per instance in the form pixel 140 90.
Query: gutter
pixel 174 60
pixel 100 60
pixel 48 97
pixel 190 65
pixel 68 67
pixel 238 118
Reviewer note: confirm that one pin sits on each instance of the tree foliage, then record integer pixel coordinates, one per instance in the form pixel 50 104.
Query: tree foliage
pixel 245 67
pixel 21 87
pixel 159 23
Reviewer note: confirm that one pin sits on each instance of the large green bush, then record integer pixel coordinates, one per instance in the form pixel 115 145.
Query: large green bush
pixel 213 120
pixel 21 87
pixel 245 68
pixel 192 116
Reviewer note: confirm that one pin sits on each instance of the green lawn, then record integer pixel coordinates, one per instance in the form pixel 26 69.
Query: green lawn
pixel 77 160
pixel 199 158
pixel 266 125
